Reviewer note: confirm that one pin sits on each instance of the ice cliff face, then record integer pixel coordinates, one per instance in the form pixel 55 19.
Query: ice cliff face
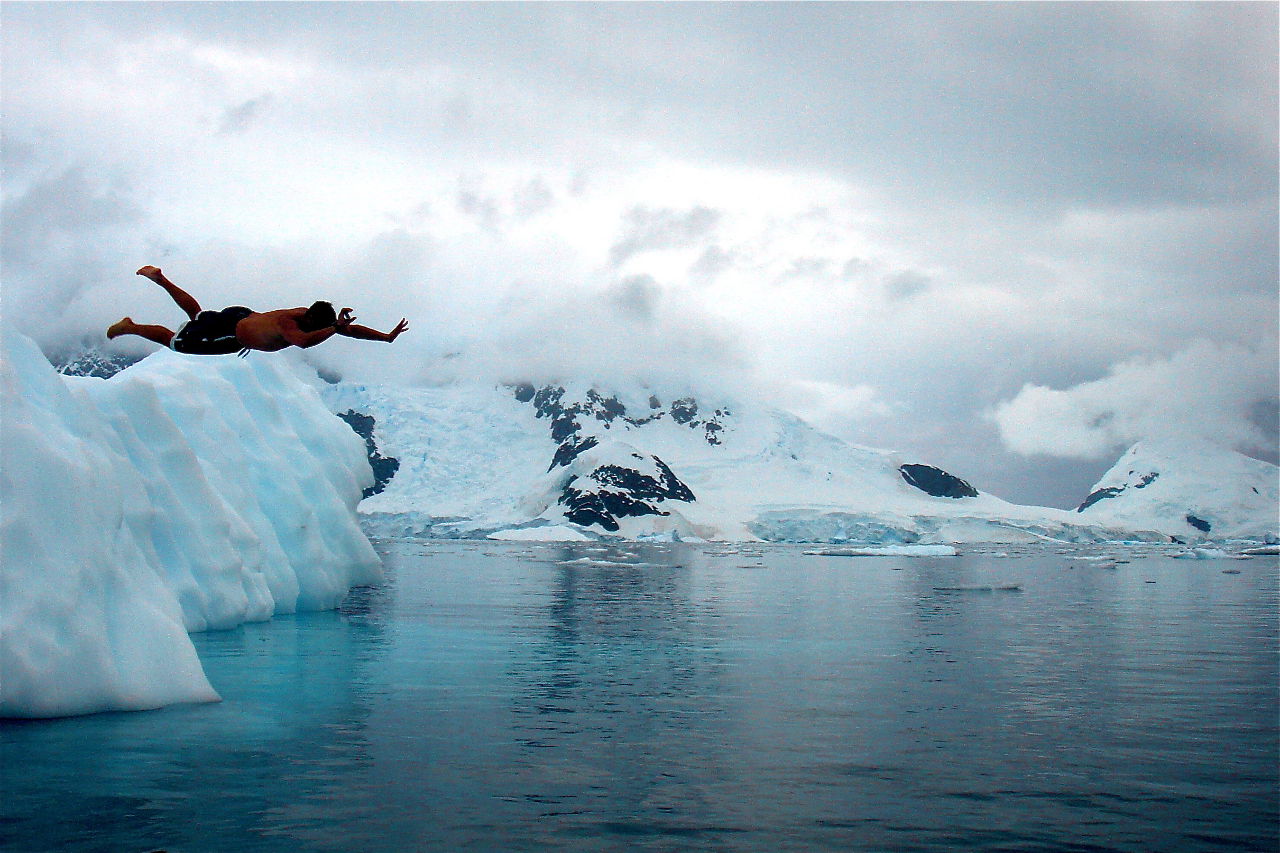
pixel 634 462
pixel 1188 492
pixel 182 494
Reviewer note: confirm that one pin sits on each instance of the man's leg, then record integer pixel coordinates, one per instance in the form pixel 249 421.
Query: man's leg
pixel 185 300
pixel 126 326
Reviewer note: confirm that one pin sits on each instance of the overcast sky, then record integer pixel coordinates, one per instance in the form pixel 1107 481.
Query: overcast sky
pixel 1008 239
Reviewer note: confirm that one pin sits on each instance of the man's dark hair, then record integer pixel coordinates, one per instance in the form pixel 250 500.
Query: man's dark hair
pixel 319 316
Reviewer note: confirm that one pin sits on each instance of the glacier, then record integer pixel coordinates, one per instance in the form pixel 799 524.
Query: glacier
pixel 1189 492
pixel 519 461
pixel 182 494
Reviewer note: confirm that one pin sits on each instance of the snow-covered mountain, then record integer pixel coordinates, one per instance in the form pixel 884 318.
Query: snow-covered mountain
pixel 1188 492
pixel 567 460
pixel 476 463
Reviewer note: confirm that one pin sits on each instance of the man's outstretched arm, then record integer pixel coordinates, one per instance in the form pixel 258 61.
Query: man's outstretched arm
pixel 364 333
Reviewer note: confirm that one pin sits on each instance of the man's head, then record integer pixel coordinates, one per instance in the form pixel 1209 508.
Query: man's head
pixel 319 316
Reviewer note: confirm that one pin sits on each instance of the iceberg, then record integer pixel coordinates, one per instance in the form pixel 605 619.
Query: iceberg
pixel 182 494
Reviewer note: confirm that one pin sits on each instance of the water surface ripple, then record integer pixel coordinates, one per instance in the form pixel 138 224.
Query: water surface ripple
pixel 586 697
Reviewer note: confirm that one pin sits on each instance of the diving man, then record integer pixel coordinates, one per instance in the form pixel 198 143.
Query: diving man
pixel 240 329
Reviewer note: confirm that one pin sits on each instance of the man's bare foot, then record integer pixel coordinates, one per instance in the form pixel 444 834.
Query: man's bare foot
pixel 119 327
pixel 151 272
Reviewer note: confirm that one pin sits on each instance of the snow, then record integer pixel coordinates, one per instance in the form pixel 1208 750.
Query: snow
pixel 183 494
pixel 547 533
pixel 1180 489
pixel 1261 551
pixel 475 460
pixel 1202 554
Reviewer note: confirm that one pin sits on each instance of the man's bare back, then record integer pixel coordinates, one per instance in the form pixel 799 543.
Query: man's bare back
pixel 223 332
pixel 270 331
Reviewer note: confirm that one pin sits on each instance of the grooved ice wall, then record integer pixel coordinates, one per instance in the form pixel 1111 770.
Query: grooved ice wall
pixel 183 494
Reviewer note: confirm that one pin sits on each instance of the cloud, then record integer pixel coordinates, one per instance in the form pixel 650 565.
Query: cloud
pixel 66 207
pixel 832 406
pixel 960 200
pixel 475 203
pixel 637 296
pixel 713 261
pixel 906 284
pixel 618 336
pixel 1204 393
pixel 238 119
pixel 647 230
pixel 533 198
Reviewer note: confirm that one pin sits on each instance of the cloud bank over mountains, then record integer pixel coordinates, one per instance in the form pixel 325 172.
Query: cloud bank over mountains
pixel 1148 398
pixel 974 232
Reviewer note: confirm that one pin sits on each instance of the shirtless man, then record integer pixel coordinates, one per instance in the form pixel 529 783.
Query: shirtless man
pixel 242 329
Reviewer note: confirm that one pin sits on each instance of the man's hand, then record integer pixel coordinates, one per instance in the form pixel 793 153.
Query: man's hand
pixel 150 272
pixel 345 318
pixel 400 327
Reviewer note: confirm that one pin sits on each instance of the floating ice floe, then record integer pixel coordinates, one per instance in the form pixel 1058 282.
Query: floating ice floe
pixel 1202 554
pixel 549 533
pixel 887 551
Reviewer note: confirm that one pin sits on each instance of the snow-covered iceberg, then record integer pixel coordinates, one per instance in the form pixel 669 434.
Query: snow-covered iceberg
pixel 182 494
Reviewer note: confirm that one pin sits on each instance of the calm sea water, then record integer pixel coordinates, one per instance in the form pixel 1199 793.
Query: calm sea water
pixel 516 697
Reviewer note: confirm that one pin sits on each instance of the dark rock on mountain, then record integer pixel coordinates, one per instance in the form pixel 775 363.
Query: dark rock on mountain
pixel 565 416
pixel 684 411
pixel 570 451
pixel 1100 495
pixel 936 482
pixel 1199 523
pixel 604 408
pixel 615 491
pixel 91 361
pixel 1112 491
pixel 384 467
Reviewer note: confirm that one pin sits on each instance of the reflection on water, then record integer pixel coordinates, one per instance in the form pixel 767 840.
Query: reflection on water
pixel 617 696
pixel 525 697
pixel 292 721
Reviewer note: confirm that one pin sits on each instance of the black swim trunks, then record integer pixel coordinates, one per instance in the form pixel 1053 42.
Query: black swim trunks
pixel 211 332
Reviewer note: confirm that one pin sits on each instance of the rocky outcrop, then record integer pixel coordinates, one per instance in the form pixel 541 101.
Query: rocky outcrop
pixel 568 417
pixel 614 481
pixel 91 361
pixel 384 467
pixel 936 482
pixel 1115 491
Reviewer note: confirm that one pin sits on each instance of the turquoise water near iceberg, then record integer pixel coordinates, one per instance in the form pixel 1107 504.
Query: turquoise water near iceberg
pixel 531 697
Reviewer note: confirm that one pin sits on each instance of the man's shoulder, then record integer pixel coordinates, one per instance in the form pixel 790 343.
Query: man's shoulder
pixel 282 314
